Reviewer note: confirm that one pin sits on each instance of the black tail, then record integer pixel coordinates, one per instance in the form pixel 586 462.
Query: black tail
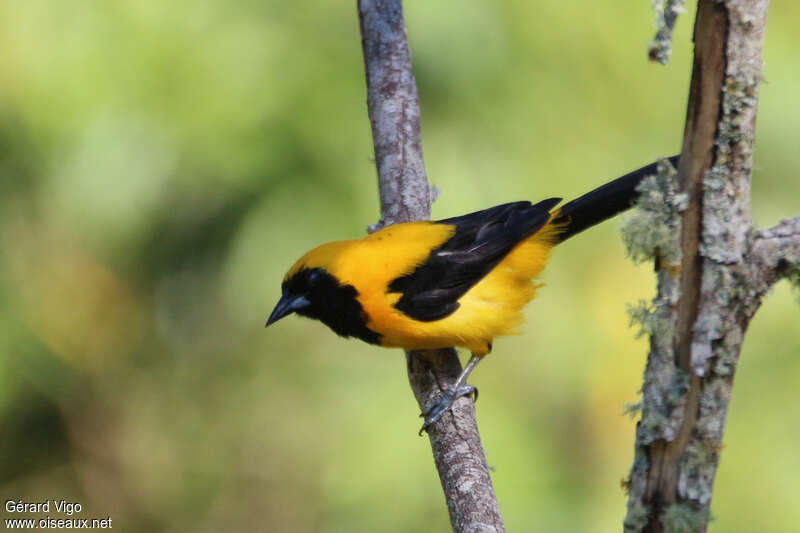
pixel 603 202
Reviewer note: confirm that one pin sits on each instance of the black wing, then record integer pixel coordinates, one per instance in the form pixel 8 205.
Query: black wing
pixel 481 240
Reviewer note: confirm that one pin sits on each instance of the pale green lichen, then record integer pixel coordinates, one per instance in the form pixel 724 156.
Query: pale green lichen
pixel 632 409
pixel 793 276
pixel 653 228
pixel 685 518
pixel 679 387
pixel 636 519
pixel 713 406
pixel 697 455
pixel 698 466
pixel 664 388
pixel 650 427
pixel 652 318
pixel 726 361
pixel 639 314
pixel 666 15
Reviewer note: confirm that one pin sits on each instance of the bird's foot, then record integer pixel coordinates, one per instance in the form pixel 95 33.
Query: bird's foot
pixel 442 403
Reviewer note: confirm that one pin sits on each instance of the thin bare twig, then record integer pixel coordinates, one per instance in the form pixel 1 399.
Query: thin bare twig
pixel 405 195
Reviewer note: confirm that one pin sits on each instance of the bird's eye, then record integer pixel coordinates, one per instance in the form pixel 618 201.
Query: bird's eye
pixel 313 276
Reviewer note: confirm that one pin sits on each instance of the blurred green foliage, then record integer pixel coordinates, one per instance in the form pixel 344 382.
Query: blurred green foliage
pixel 163 163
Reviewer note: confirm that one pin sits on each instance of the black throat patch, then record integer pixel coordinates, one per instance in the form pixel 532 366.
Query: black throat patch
pixel 333 304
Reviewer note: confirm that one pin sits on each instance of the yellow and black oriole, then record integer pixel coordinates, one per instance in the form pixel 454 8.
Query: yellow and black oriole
pixel 455 282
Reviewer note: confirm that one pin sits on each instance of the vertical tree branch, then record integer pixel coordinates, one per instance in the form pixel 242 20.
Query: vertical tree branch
pixel 701 121
pixel 706 297
pixel 405 195
pixel 393 107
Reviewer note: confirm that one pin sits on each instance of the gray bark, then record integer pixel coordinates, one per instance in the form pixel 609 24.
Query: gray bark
pixel 710 281
pixel 666 15
pixel 405 195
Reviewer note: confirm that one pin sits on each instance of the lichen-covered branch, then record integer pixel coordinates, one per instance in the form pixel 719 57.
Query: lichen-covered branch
pixel 666 15
pixel 405 196
pixel 706 299
pixel 776 255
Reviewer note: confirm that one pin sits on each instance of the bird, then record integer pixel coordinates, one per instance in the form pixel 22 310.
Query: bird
pixel 460 281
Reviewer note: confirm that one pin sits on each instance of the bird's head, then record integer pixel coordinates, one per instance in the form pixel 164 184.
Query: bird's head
pixel 298 294
pixel 310 286
pixel 314 288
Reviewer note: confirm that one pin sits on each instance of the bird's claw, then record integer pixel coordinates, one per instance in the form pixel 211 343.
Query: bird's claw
pixel 442 403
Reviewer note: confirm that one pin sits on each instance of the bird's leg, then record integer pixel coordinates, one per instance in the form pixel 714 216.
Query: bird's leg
pixel 442 403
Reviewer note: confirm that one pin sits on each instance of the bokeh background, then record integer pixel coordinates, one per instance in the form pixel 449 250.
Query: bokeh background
pixel 163 163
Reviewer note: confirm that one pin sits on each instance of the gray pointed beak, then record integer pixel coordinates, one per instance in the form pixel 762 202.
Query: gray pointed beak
pixel 288 304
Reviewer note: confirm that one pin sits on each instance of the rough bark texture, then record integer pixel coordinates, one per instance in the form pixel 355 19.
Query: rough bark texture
pixel 456 445
pixel 405 195
pixel 710 282
pixel 776 255
pixel 393 107
pixel 666 15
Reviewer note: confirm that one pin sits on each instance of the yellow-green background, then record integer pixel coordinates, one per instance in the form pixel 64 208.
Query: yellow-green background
pixel 163 163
